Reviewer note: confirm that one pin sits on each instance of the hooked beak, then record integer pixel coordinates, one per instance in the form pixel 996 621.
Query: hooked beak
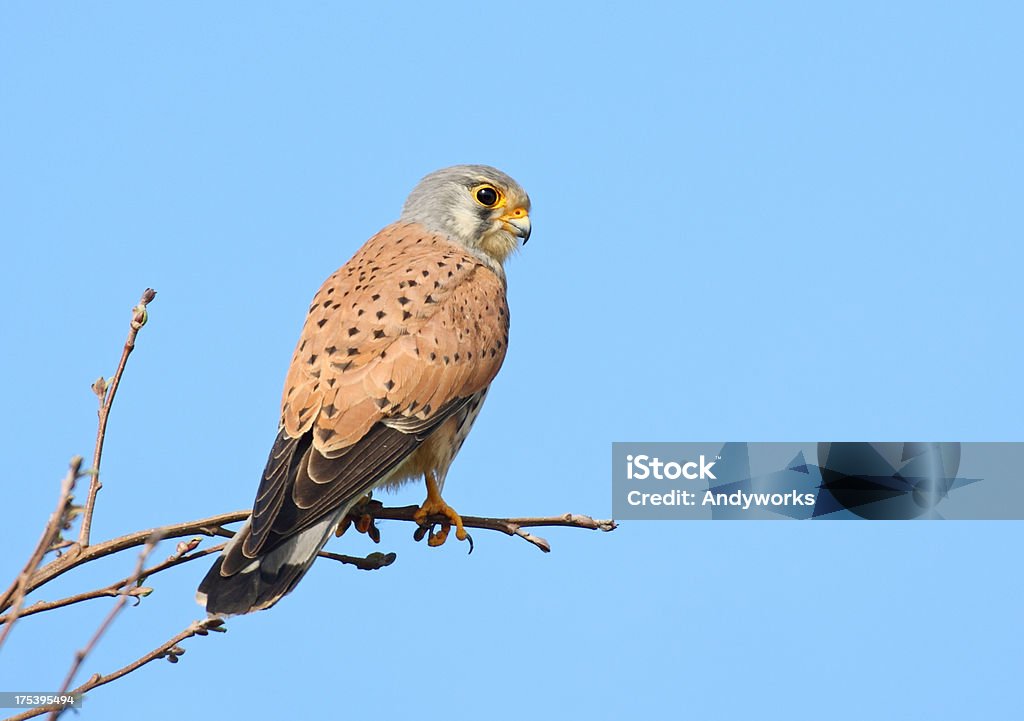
pixel 519 224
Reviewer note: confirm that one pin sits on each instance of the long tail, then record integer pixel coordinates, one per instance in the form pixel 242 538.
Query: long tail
pixel 267 578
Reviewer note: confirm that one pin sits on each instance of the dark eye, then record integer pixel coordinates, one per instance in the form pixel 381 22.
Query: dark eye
pixel 487 196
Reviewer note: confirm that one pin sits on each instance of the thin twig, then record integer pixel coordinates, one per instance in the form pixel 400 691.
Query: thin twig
pixel 168 649
pixel 115 589
pixel 207 526
pixel 106 395
pixel 81 655
pixel 372 562
pixel 14 597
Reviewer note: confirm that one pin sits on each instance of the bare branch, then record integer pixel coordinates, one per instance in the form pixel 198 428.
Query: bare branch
pixel 118 607
pixel 207 526
pixel 371 562
pixel 168 649
pixel 106 394
pixel 115 589
pixel 509 526
pixel 14 597
pixel 214 526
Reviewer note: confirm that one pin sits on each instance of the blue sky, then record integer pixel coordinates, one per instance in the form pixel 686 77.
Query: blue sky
pixel 753 222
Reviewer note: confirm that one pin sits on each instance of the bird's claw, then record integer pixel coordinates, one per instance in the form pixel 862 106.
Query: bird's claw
pixel 364 521
pixel 434 505
pixel 368 524
pixel 438 537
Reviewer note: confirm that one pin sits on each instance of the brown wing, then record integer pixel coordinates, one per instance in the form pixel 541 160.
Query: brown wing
pixel 396 341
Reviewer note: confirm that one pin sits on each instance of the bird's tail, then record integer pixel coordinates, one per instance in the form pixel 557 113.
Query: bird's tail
pixel 233 586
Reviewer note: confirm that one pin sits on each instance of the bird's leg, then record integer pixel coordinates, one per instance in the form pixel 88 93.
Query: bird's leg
pixel 435 506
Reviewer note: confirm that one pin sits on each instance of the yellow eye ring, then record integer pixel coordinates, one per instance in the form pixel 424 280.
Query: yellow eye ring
pixel 487 195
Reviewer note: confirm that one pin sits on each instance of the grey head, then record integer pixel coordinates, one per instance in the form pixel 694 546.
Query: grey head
pixel 476 206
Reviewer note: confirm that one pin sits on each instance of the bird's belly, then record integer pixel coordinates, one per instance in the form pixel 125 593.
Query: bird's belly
pixel 437 452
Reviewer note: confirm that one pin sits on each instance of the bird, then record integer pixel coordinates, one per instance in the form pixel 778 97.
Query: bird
pixel 397 353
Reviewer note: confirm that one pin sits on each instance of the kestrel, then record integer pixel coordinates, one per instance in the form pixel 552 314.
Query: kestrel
pixel 394 362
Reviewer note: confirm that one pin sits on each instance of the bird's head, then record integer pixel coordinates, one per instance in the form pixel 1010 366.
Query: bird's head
pixel 475 205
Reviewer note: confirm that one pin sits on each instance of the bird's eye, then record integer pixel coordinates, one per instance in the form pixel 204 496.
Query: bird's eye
pixel 487 196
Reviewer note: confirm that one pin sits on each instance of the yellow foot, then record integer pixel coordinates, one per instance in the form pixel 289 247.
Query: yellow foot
pixel 435 506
